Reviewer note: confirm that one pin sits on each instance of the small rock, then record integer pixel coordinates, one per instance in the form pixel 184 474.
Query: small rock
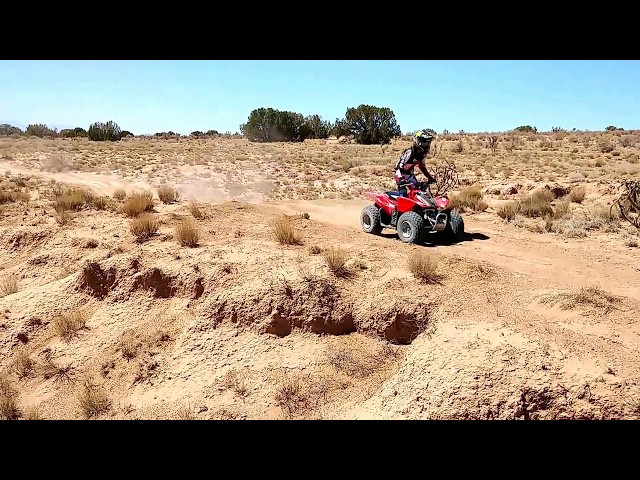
pixel 510 190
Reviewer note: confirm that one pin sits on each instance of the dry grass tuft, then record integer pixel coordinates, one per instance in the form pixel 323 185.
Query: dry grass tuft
pixel 14 196
pixel 509 210
pixel 138 203
pixel 314 250
pixel 285 232
pixel 562 209
pixel 237 382
pixel 577 194
pixel 336 259
pixel 93 400
pixel 187 233
pixel 292 396
pixel 76 198
pixel 32 413
pixel 120 194
pixel 144 227
pixel 8 406
pixel 23 364
pixel 196 211
pixel 9 284
pixel 185 412
pixel 67 325
pixel 167 194
pixel 59 373
pixel 62 215
pixel 423 266
pixel 472 198
pixel 586 296
pixel 360 362
pixel 537 204
pixel 129 346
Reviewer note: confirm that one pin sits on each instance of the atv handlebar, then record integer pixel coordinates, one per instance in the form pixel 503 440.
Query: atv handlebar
pixel 424 186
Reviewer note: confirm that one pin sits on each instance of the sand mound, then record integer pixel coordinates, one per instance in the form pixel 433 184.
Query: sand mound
pixel 18 239
pixel 317 305
pixel 480 372
pixel 95 324
pixel 121 278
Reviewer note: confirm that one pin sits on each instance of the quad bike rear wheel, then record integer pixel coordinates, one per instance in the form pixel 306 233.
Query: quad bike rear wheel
pixel 370 220
pixel 455 227
pixel 410 227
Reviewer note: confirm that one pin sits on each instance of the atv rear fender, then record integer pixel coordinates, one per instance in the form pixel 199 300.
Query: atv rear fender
pixel 382 201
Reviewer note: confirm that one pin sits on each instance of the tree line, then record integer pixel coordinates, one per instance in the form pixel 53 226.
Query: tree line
pixel 98 131
pixel 367 124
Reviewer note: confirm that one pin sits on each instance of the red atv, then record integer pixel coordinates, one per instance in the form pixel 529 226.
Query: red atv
pixel 413 216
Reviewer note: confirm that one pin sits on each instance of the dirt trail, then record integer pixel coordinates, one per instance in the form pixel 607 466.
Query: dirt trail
pixel 569 264
pixel 544 259
pixel 101 183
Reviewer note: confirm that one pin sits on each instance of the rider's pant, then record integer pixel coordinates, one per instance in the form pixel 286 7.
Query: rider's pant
pixel 405 178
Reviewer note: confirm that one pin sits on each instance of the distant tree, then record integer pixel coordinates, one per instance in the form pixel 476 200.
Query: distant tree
pixel 73 132
pixel 371 125
pixel 169 134
pixel 612 128
pixel 41 130
pixel 318 128
pixel 212 133
pixel 526 128
pixel 6 130
pixel 102 132
pixel 196 134
pixel 126 133
pixel 271 125
pixel 557 129
pixel 340 128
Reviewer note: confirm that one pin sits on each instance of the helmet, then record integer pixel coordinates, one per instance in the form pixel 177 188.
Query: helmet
pixel 423 140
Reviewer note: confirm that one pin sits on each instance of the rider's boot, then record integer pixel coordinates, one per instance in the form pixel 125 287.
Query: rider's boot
pixel 394 216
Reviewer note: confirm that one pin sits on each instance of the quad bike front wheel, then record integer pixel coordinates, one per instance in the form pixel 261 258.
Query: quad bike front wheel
pixel 410 228
pixel 370 220
pixel 455 227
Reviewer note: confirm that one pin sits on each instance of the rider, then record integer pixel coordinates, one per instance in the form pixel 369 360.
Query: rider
pixel 412 157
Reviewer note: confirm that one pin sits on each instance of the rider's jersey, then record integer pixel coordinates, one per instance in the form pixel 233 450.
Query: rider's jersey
pixel 409 160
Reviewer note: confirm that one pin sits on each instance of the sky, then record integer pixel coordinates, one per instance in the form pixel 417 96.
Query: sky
pixel 145 96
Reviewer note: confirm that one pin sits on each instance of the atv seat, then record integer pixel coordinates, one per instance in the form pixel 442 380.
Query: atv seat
pixel 393 194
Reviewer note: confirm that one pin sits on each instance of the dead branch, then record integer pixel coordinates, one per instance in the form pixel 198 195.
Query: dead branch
pixel 446 177
pixel 628 203
pixel 493 143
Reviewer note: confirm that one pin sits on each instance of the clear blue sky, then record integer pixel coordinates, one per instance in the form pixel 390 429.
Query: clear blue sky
pixel 183 96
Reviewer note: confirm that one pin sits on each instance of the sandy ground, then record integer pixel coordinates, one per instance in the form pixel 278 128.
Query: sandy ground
pixel 519 325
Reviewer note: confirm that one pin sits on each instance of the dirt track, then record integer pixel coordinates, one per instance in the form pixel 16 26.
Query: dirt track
pixel 567 264
pixel 242 327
